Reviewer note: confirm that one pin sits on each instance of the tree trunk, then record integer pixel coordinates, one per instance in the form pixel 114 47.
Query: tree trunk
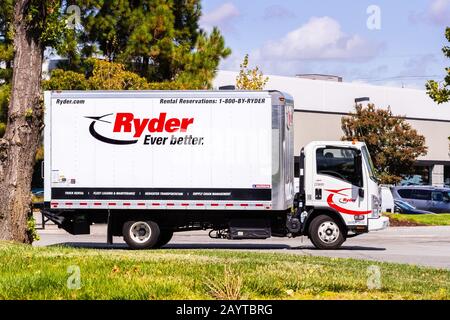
pixel 19 144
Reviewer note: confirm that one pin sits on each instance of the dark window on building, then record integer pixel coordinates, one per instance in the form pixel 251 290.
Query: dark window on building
pixel 405 193
pixel 338 163
pixel 447 176
pixel 422 194
pixel 421 176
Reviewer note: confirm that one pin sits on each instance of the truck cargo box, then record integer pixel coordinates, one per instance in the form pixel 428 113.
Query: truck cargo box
pixel 155 150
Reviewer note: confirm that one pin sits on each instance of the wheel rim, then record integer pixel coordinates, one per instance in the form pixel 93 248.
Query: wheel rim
pixel 328 232
pixel 140 232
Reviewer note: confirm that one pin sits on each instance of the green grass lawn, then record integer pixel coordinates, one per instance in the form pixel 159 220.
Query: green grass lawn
pixel 422 219
pixel 42 273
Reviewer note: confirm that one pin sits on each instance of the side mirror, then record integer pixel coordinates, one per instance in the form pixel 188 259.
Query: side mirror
pixel 359 171
pixel 361 192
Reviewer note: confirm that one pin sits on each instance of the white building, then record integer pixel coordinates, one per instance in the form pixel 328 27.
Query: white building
pixel 320 105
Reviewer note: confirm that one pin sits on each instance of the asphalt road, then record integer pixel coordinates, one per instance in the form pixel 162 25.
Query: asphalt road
pixel 426 246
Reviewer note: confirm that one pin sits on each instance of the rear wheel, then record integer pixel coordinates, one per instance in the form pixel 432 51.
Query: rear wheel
pixel 164 238
pixel 140 234
pixel 326 233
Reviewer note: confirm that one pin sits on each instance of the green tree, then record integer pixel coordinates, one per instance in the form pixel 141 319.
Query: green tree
pixel 441 92
pixel 250 79
pixel 159 40
pixel 393 144
pixel 105 75
pixel 6 57
pixel 4 101
pixel 6 40
pixel 34 25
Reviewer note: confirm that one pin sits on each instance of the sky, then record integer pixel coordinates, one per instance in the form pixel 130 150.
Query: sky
pixel 384 42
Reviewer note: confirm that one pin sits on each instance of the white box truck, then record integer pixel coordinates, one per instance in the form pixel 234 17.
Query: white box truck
pixel 151 163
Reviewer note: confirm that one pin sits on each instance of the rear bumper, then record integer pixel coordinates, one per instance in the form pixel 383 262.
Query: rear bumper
pixel 378 224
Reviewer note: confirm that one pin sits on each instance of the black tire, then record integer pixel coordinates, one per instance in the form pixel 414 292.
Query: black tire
pixel 140 234
pixel 164 238
pixel 326 233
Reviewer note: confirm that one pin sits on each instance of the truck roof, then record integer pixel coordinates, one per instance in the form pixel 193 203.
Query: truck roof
pixel 344 143
pixel 165 93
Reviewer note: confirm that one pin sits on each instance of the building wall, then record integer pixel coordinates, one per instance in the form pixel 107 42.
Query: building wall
pixel 315 127
pixel 436 138
pixel 322 126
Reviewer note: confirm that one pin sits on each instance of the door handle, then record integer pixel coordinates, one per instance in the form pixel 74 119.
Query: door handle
pixel 318 194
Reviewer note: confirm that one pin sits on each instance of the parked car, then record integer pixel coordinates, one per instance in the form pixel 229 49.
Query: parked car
pixel 37 192
pixel 433 199
pixel 405 208
pixel 38 198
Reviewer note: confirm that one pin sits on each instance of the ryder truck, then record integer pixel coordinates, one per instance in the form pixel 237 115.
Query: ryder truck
pixel 151 163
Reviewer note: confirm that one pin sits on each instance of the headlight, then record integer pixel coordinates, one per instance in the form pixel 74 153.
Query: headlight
pixel 376 207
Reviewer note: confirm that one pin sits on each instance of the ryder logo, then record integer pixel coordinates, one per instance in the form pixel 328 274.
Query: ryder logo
pixel 344 199
pixel 127 123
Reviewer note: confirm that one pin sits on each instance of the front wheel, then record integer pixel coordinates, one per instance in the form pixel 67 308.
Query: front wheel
pixel 326 233
pixel 140 234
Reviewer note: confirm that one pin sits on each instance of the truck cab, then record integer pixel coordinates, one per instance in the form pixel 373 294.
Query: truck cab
pixel 339 196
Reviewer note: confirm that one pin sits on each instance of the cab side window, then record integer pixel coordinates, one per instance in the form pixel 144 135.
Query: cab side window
pixel 338 163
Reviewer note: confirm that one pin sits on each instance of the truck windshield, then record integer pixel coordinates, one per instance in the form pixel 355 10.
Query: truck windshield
pixel 369 164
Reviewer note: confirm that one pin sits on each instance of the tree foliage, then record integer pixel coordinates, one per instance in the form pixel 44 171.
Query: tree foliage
pixel 6 40
pixel 160 40
pixel 441 92
pixel 105 75
pixel 45 23
pixel 393 144
pixel 5 90
pixel 250 79
pixel 6 57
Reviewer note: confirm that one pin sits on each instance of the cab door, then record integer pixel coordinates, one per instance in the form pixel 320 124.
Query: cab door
pixel 340 183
